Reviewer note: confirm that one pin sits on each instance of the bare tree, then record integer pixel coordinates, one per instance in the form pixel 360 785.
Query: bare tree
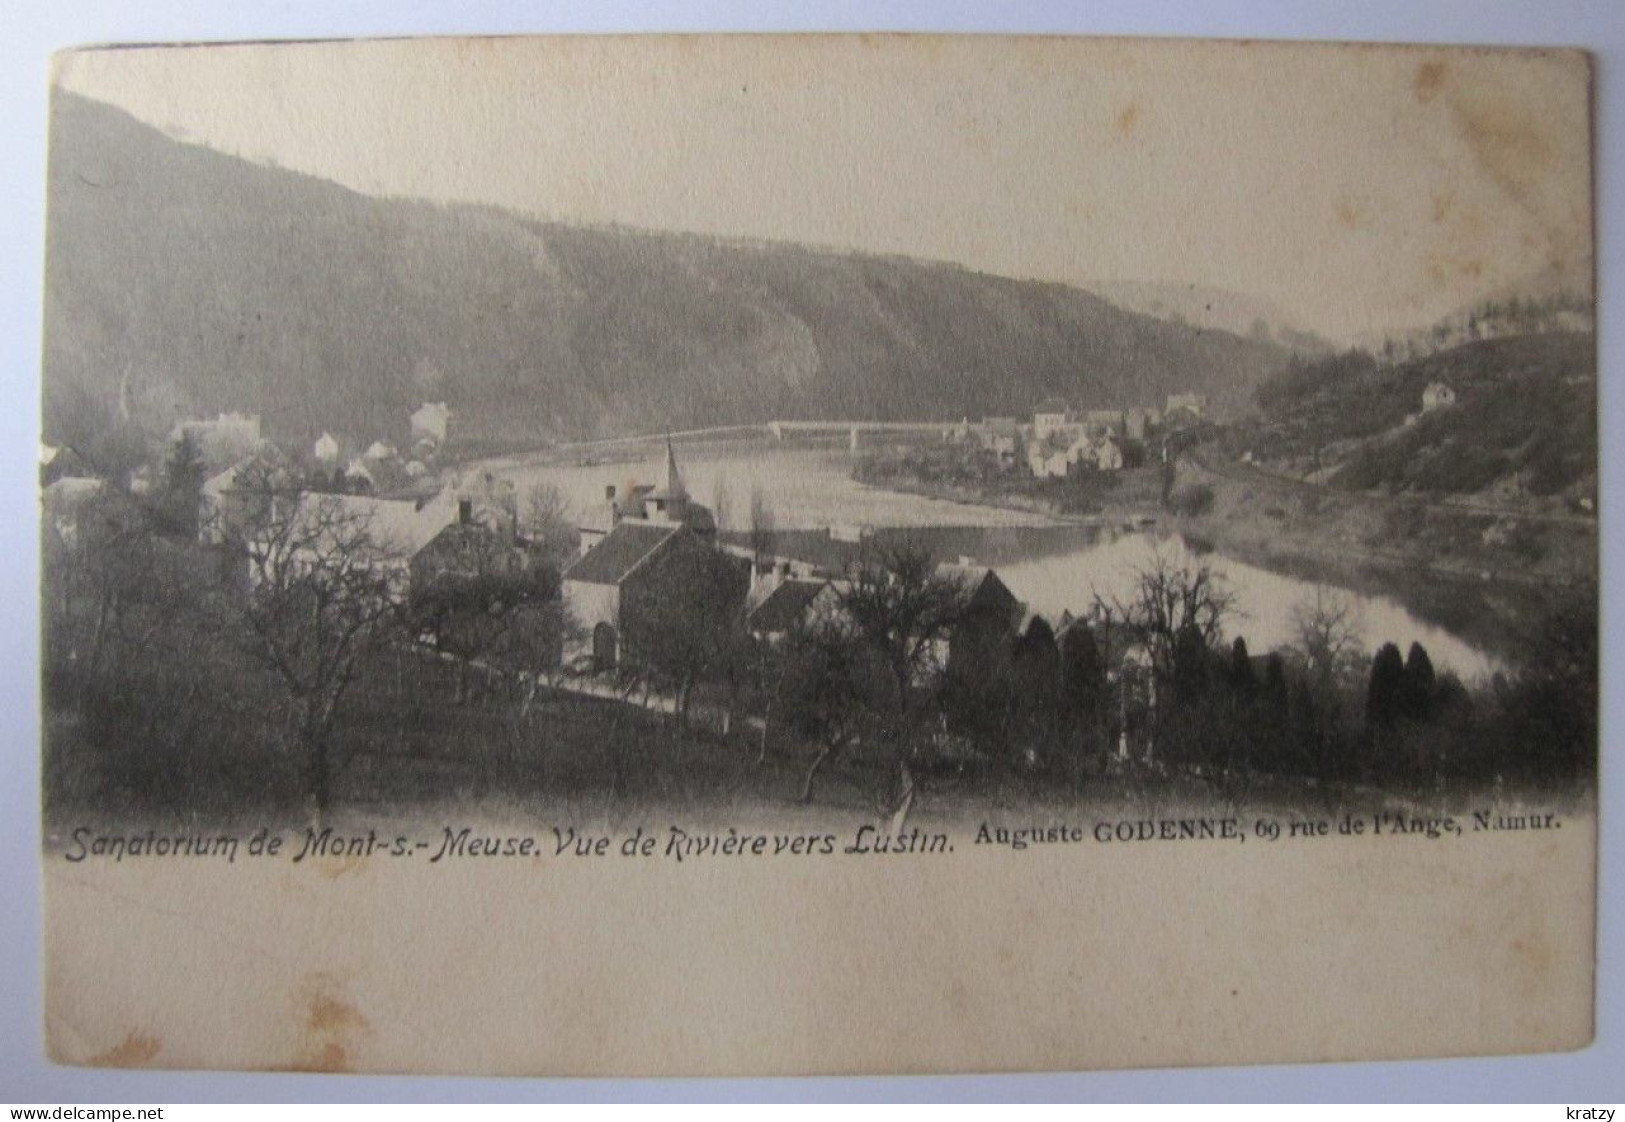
pixel 1171 603
pixel 322 594
pixel 902 608
pixel 828 692
pixel 760 528
pixel 548 523
pixel 695 637
pixel 472 588
pixel 1327 626
pixel 530 652
pixel 721 503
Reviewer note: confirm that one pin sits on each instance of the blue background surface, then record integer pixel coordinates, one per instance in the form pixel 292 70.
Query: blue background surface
pixel 31 29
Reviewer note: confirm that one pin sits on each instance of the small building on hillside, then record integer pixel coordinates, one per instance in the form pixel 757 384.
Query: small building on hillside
pixel 226 439
pixel 56 462
pixel 358 476
pixel 1194 404
pixel 1437 396
pixel 430 421
pixel 1049 417
pixel 1108 455
pixel 1049 459
pixel 1081 452
pixel 326 449
pixel 1000 438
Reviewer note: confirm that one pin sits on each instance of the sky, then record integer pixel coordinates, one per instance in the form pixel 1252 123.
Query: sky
pixel 1359 190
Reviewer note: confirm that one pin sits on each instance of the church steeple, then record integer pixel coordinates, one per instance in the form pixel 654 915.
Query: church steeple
pixel 674 489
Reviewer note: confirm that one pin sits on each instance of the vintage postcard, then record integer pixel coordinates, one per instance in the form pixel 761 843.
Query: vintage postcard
pixel 756 555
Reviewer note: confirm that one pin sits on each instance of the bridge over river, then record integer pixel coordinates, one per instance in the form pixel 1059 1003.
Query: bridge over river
pixel 852 430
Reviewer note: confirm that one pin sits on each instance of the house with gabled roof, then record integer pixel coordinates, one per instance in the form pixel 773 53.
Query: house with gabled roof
pixel 980 638
pixel 634 571
pixel 794 604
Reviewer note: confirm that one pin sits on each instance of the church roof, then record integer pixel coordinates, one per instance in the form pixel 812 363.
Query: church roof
pixel 623 549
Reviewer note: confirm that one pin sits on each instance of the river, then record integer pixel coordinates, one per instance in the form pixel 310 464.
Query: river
pixel 1052 565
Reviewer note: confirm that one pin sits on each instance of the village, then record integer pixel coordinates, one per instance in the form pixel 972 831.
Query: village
pixel 844 661
pixel 652 547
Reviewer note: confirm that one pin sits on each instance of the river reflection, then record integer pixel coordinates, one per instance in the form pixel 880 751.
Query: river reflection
pixel 1266 604
pixel 1051 565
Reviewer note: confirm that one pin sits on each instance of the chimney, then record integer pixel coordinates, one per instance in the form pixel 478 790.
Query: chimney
pixel 465 511
pixel 609 492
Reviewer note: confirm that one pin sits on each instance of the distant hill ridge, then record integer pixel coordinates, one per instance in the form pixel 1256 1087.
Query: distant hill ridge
pixel 201 282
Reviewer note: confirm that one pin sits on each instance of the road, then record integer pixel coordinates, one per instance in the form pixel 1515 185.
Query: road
pixel 1205 457
pixel 1307 548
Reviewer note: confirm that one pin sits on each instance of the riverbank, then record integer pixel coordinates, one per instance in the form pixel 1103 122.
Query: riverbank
pixel 1126 498
pixel 1488 578
pixel 1484 576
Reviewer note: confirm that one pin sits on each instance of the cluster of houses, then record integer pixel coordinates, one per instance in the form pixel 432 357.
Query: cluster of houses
pixel 643 548
pixel 381 466
pixel 1061 441
pixel 234 458
pixel 646 546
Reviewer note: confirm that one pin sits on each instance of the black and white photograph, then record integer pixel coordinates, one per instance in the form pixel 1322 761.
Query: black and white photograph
pixel 729 452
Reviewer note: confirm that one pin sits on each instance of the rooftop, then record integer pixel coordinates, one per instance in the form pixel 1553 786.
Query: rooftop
pixel 621 551
pixel 787 604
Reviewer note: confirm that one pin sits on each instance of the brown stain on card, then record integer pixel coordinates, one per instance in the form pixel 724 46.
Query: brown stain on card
pixel 332 1059
pixel 1351 215
pixel 1533 956
pixel 330 1014
pixel 329 1025
pixel 1445 269
pixel 136 1050
pixel 1429 80
pixel 334 869
pixel 1129 119
pixel 1508 144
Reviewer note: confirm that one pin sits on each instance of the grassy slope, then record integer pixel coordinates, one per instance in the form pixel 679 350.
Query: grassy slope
pixel 1523 429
